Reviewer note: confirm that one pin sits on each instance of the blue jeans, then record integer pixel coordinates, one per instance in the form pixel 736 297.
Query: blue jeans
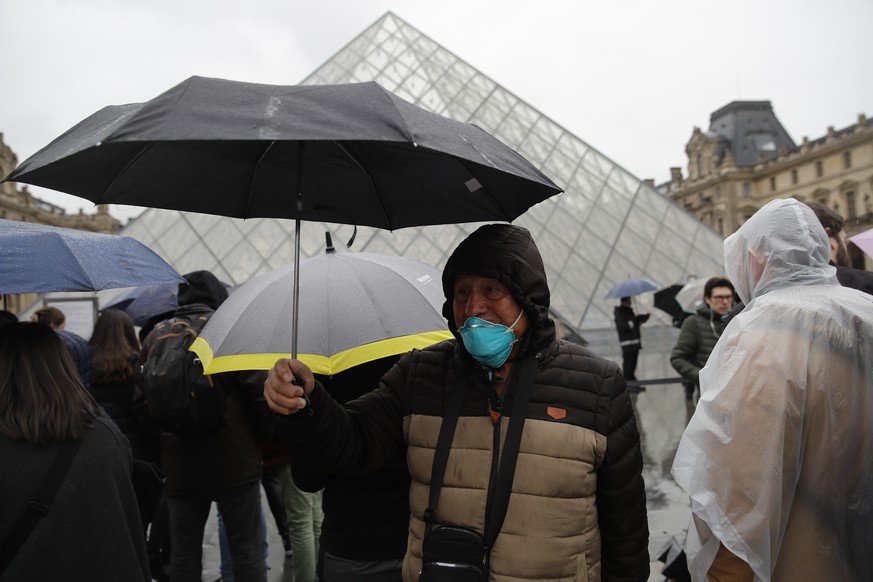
pixel 240 509
pixel 224 547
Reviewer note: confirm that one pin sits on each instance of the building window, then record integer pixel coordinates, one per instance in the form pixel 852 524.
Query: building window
pixel 819 170
pixel 772 183
pixel 847 159
pixel 747 189
pixel 721 226
pixel 699 166
pixel 718 192
pixel 764 142
pixel 850 205
pixel 794 176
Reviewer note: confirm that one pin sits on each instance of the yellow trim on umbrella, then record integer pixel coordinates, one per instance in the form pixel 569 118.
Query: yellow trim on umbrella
pixel 319 364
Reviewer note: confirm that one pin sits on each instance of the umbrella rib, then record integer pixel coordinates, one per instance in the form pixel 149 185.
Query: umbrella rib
pixel 133 160
pixel 250 197
pixel 370 178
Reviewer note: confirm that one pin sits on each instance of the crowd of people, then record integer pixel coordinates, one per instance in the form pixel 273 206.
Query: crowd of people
pixel 504 453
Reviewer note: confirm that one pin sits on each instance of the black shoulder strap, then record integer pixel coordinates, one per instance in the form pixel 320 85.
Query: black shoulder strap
pixel 498 503
pixel 495 509
pixel 444 445
pixel 37 508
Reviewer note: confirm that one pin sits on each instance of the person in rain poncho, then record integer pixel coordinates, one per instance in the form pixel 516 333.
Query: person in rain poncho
pixel 778 457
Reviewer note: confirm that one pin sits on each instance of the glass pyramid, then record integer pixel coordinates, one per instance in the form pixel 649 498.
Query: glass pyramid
pixel 606 227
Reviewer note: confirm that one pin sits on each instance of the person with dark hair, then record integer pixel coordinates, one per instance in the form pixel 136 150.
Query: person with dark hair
pixel 50 316
pixel 92 529
pixel 576 498
pixel 223 465
pixel 115 353
pixel 778 459
pixel 700 332
pixel 834 227
pixel 628 323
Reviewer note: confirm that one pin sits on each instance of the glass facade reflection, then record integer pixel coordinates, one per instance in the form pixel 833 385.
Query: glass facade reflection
pixel 606 227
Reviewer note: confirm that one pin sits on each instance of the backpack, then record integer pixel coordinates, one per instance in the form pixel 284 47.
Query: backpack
pixel 179 397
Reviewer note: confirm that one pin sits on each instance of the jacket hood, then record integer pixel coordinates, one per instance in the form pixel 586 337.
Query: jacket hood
pixel 782 245
pixel 508 253
pixel 202 287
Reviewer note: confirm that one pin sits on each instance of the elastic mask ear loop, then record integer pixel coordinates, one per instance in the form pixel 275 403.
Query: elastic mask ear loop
pixel 509 329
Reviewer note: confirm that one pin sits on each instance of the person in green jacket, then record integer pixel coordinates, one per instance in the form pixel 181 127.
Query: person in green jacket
pixel 701 331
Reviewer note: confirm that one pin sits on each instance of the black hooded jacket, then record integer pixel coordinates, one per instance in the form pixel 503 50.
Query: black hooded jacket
pixel 577 508
pixel 230 456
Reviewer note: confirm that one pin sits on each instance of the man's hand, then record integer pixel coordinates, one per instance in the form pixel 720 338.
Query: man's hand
pixel 287 383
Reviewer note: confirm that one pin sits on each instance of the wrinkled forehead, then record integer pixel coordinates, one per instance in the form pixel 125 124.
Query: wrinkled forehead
pixel 464 280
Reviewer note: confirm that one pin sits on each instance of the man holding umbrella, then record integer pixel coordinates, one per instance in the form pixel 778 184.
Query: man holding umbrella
pixel 627 323
pixel 576 500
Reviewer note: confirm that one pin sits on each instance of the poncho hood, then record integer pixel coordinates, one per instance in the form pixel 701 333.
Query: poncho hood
pixel 782 244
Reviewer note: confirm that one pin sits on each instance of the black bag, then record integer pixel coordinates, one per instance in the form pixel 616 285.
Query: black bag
pixel 179 397
pixel 453 553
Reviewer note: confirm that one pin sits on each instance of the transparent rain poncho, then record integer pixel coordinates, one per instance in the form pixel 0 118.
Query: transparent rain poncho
pixel 778 457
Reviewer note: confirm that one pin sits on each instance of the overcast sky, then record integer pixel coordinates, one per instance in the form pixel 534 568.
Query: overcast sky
pixel 632 78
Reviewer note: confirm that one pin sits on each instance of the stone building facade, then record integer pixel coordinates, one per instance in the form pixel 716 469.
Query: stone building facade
pixel 746 159
pixel 17 203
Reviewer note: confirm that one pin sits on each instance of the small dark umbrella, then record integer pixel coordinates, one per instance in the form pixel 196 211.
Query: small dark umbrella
pixel 665 300
pixel 351 154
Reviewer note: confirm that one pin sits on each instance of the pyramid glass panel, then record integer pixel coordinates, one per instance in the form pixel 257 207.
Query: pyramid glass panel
pixel 606 226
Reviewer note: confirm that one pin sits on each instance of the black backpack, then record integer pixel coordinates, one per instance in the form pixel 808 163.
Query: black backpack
pixel 179 397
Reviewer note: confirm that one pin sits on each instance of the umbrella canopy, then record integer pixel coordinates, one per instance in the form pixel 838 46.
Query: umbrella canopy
pixel 690 297
pixel 631 287
pixel 35 258
pixel 359 307
pixel 864 241
pixel 144 303
pixel 350 154
pixel 665 300
pixel 354 153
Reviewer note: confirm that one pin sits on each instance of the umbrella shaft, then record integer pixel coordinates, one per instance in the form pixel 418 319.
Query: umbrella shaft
pixel 294 297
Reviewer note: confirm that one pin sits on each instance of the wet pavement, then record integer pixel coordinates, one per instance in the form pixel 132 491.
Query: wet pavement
pixel 662 413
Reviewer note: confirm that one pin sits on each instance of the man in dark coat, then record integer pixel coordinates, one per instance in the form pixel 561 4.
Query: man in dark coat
pixel 577 502
pixel 834 224
pixel 701 331
pixel 628 323
pixel 223 465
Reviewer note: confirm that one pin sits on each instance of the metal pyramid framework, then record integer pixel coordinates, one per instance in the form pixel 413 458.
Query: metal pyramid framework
pixel 606 227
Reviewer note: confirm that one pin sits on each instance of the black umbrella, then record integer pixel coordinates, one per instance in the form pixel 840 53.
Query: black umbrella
pixel 351 154
pixel 665 300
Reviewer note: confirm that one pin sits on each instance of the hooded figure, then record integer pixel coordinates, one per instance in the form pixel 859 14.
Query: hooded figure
pixel 223 465
pixel 577 504
pixel 202 288
pixel 778 457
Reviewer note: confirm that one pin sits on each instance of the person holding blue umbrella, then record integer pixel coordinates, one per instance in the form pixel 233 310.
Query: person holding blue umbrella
pixel 628 325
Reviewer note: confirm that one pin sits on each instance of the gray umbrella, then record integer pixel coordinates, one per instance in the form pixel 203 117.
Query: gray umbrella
pixel 359 307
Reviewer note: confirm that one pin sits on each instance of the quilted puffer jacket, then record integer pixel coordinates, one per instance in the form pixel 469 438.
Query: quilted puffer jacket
pixel 577 509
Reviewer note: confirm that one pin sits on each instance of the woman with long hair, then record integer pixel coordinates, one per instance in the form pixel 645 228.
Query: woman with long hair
pixel 92 529
pixel 114 348
pixel 115 353
pixel 114 356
